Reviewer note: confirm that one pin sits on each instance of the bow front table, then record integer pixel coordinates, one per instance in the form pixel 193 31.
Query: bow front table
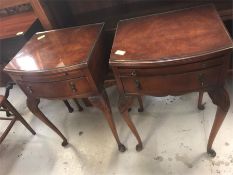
pixel 172 53
pixel 61 64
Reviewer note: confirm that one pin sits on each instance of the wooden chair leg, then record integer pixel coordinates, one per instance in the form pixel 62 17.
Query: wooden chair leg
pixel 8 114
pixel 9 86
pixel 16 116
pixel 7 130
pixel 70 109
pixel 11 108
pixel 80 108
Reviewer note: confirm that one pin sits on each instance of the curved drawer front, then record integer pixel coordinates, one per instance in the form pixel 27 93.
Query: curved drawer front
pixel 51 76
pixel 57 89
pixel 171 83
pixel 173 69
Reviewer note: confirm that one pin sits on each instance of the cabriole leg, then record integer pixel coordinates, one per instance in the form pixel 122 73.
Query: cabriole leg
pixel 80 108
pixel 200 106
pixel 33 106
pixel 101 102
pixel 86 102
pixel 70 109
pixel 220 98
pixel 141 108
pixel 124 105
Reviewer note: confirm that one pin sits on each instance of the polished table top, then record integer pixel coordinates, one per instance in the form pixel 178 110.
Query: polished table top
pixel 56 49
pixel 168 36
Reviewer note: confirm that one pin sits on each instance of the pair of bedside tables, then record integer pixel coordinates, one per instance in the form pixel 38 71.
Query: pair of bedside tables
pixel 164 54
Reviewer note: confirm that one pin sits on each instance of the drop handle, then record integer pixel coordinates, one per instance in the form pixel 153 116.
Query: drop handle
pixel 202 79
pixel 137 84
pixel 29 89
pixel 73 87
pixel 136 81
pixel 133 74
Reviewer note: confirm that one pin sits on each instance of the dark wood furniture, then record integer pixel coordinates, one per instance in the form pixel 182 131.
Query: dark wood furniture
pixel 19 20
pixel 111 11
pixel 81 12
pixel 12 114
pixel 61 64
pixel 37 7
pixel 16 25
pixel 15 31
pixel 173 53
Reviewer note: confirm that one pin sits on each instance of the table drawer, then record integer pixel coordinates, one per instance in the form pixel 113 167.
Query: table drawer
pixel 45 77
pixel 57 89
pixel 183 68
pixel 171 83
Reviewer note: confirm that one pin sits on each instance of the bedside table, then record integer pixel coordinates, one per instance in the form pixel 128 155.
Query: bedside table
pixel 61 64
pixel 173 53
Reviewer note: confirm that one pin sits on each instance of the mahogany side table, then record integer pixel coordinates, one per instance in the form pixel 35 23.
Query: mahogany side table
pixel 173 53
pixel 62 64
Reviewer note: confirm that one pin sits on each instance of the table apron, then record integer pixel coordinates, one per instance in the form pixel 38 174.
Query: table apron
pixel 172 83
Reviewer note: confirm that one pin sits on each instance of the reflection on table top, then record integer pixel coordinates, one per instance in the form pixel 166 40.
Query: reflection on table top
pixel 56 49
pixel 172 35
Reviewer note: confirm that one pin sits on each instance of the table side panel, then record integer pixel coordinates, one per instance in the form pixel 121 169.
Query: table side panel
pixel 98 64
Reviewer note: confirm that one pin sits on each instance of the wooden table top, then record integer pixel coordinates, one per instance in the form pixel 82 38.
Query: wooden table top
pixel 56 49
pixel 14 25
pixel 170 36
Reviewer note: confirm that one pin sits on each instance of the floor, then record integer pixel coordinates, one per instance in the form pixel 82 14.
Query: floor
pixel 173 130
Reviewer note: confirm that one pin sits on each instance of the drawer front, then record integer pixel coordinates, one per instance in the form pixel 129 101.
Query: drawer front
pixel 172 69
pixel 57 89
pixel 172 83
pixel 51 76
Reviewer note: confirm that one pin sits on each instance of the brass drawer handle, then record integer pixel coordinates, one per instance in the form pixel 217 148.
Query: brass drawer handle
pixel 136 81
pixel 133 74
pixel 138 84
pixel 73 87
pixel 29 89
pixel 202 79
